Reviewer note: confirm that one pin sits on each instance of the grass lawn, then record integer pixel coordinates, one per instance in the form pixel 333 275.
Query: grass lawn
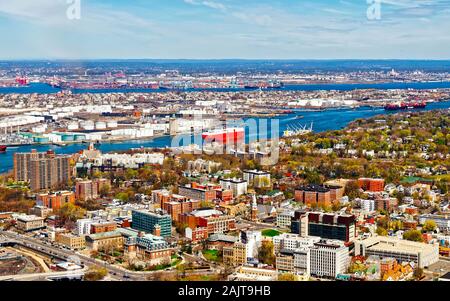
pixel 211 255
pixel 270 232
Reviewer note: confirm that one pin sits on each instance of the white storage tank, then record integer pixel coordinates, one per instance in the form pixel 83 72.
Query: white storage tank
pixel 88 125
pixel 100 125
pixel 112 124
pixel 72 126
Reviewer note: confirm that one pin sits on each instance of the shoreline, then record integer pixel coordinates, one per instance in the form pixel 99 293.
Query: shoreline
pixel 48 89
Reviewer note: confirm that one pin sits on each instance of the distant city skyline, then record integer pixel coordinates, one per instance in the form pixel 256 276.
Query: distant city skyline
pixel 225 29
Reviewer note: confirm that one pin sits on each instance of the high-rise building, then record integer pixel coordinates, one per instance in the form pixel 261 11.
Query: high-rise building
pixel 22 164
pixel 48 173
pixel 299 223
pixel 42 170
pixel 325 225
pixel 147 221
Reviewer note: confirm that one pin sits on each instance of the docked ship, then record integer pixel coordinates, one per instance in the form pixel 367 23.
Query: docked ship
pixel 405 105
pixel 3 148
pixel 264 85
pixel 230 135
pixel 293 130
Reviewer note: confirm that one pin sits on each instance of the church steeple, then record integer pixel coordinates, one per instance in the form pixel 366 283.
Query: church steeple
pixel 254 210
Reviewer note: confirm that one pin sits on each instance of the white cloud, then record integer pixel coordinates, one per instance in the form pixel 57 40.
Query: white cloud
pixel 207 3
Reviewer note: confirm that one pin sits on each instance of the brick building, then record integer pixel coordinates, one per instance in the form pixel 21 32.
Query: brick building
pixel 42 170
pixel 370 184
pixel 90 189
pixel 320 195
pixel 55 200
pixel 196 191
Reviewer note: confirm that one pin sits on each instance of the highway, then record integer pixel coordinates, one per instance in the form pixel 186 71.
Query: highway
pixel 115 272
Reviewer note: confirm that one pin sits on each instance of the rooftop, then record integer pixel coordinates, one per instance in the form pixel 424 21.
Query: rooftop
pixel 394 244
pixel 29 218
pixel 110 234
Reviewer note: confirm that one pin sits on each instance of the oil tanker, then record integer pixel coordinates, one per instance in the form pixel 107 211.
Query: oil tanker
pixel 405 105
pixel 230 135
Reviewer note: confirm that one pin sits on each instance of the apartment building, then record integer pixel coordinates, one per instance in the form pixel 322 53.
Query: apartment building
pixel 22 164
pixel 370 184
pixel 257 178
pixel 101 227
pixel 318 195
pixel 55 200
pixel 238 186
pixel 196 191
pixel 90 189
pixel 42 170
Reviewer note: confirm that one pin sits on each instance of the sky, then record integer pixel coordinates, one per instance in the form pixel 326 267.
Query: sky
pixel 225 29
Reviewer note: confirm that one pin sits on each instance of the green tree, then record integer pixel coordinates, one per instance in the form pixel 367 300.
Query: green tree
pixel 70 212
pixel 418 273
pixel 381 231
pixel 352 190
pixel 95 274
pixel 313 177
pixel 429 225
pixel 104 190
pixel 266 252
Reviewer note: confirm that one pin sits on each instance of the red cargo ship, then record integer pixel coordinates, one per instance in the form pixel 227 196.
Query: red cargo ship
pixel 231 135
pixel 2 148
pixel 405 105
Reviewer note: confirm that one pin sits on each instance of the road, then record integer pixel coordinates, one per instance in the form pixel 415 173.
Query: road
pixel 116 273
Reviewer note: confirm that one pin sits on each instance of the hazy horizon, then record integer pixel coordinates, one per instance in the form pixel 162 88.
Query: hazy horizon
pixel 225 29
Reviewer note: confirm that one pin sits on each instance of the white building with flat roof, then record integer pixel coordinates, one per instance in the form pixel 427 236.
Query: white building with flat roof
pixel 257 178
pixel 284 218
pixel 328 259
pixel 290 241
pixel 29 222
pixel 238 186
pixel 402 250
